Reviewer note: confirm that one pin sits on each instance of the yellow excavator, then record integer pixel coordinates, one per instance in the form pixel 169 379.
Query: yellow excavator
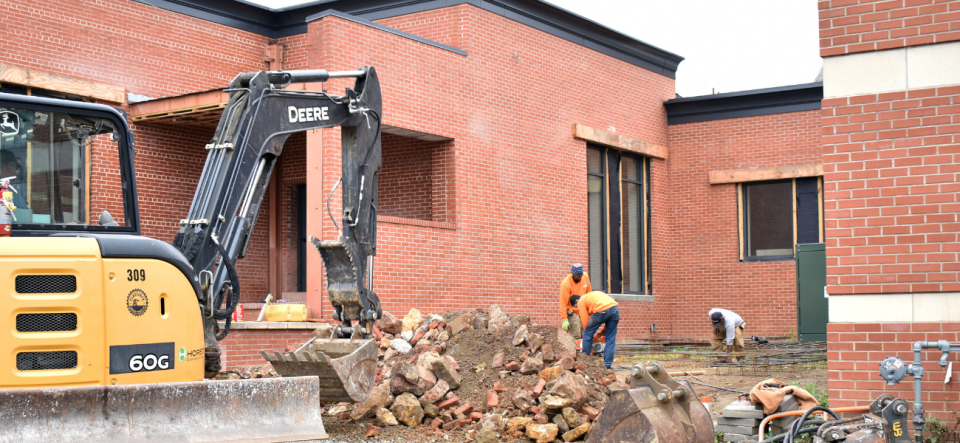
pixel 108 335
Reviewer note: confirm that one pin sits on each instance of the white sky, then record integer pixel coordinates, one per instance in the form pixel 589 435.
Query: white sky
pixel 728 45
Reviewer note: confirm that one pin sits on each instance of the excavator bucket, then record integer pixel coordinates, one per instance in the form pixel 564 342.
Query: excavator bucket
pixel 656 408
pixel 259 410
pixel 347 368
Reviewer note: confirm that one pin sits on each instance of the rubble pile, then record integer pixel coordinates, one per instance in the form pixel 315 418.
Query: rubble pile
pixel 482 376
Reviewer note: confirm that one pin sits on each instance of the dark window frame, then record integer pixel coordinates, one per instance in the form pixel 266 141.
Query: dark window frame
pixel 743 219
pixel 603 219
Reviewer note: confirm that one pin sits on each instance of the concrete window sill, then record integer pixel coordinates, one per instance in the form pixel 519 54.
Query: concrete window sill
pixel 632 297
pixel 415 222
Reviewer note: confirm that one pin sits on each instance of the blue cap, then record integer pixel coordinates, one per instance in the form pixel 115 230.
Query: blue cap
pixel 576 269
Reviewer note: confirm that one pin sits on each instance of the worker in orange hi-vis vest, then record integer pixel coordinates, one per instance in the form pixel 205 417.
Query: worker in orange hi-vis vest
pixel 598 309
pixel 576 282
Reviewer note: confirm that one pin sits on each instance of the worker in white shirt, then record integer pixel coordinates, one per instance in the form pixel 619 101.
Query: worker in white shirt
pixel 727 328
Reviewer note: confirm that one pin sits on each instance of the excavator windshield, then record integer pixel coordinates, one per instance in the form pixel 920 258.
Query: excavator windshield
pixel 64 168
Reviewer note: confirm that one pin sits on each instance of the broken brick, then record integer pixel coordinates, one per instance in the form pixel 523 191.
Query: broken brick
pixel 497 360
pixel 541 383
pixel 436 423
pixel 476 416
pixel 512 366
pixel 493 400
pixel 449 403
pixel 590 412
pixel 465 409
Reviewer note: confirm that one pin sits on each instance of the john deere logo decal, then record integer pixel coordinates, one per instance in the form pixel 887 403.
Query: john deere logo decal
pixel 182 354
pixel 137 302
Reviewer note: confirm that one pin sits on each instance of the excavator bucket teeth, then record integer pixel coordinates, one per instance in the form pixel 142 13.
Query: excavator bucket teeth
pixel 341 272
pixel 656 408
pixel 258 410
pixel 347 368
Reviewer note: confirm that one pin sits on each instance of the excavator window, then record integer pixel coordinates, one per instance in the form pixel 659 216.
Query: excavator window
pixel 65 168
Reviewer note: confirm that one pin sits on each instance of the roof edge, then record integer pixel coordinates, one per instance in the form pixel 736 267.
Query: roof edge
pixel 394 31
pixel 778 100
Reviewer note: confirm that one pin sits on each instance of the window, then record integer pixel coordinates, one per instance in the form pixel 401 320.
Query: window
pixel 776 215
pixel 619 217
pixel 55 160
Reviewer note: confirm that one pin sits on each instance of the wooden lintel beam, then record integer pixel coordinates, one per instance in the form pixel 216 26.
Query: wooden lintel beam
pixel 760 174
pixel 618 141
pixel 62 83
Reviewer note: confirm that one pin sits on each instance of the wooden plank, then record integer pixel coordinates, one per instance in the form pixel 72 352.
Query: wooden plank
pixel 760 174
pixel 608 138
pixel 62 83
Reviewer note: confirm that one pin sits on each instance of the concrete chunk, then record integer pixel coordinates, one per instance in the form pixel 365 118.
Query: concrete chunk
pixel 752 422
pixel 738 437
pixel 743 409
pixel 726 429
pixel 789 403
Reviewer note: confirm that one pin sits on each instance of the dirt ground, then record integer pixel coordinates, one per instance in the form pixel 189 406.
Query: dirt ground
pixel 475 384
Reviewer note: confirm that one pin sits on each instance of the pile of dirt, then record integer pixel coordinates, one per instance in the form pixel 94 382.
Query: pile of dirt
pixel 476 375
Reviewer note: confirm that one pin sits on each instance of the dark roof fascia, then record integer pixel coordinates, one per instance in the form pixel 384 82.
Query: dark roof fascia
pixel 394 31
pixel 534 13
pixel 768 101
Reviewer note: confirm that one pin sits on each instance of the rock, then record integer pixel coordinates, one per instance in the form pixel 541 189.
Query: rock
pixel 427 379
pixel 324 330
pixel 337 410
pixel 386 418
pixel 520 319
pixel 390 353
pixel 554 404
pixel 590 412
pixel 400 345
pixel 389 324
pixel 541 419
pixel 518 424
pixel 531 366
pixel 535 341
pixel 380 397
pixel 430 410
pixel 492 421
pixel 523 401
pixel 570 386
pixel 443 336
pixel 567 343
pixel 571 354
pixel 497 360
pixel 498 387
pixel 384 343
pixel 431 334
pixel 512 366
pixel 548 354
pixel 542 433
pixel 461 323
pixel 449 403
pixel 435 393
pixel 452 362
pixel 561 424
pixel 552 373
pixel 400 385
pixel 493 400
pixel 407 410
pixel 487 435
pixel 409 372
pixel 576 433
pixel 537 390
pixel 480 321
pixel 446 372
pixel 521 335
pixel 372 430
pixel 497 319
pixel 412 321
pixel 567 363
pixel 572 418
pixel 407 335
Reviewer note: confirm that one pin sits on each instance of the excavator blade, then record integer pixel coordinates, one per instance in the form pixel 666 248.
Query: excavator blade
pixel 257 410
pixel 656 408
pixel 347 368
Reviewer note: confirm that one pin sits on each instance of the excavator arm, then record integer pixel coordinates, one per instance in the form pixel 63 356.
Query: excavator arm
pixel 249 139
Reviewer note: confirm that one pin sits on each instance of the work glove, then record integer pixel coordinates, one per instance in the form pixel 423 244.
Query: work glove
pixel 565 325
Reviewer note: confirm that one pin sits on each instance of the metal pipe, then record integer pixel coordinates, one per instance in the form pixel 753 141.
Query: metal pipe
pixel 763 423
pixel 370 272
pixel 252 188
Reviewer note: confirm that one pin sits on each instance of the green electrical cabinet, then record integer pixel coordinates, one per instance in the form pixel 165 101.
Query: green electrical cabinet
pixel 812 306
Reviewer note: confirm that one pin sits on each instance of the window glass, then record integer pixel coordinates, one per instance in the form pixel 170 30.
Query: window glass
pixel 55 161
pixel 595 209
pixel 631 197
pixel 769 218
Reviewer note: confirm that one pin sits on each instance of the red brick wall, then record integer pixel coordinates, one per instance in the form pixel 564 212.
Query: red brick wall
pixel 519 175
pixel 891 164
pixel 848 26
pixel 242 347
pixel 406 179
pixel 854 353
pixel 703 270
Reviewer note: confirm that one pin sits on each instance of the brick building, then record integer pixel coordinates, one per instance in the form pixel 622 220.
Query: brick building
pixel 488 191
pixel 519 138
pixel 891 119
